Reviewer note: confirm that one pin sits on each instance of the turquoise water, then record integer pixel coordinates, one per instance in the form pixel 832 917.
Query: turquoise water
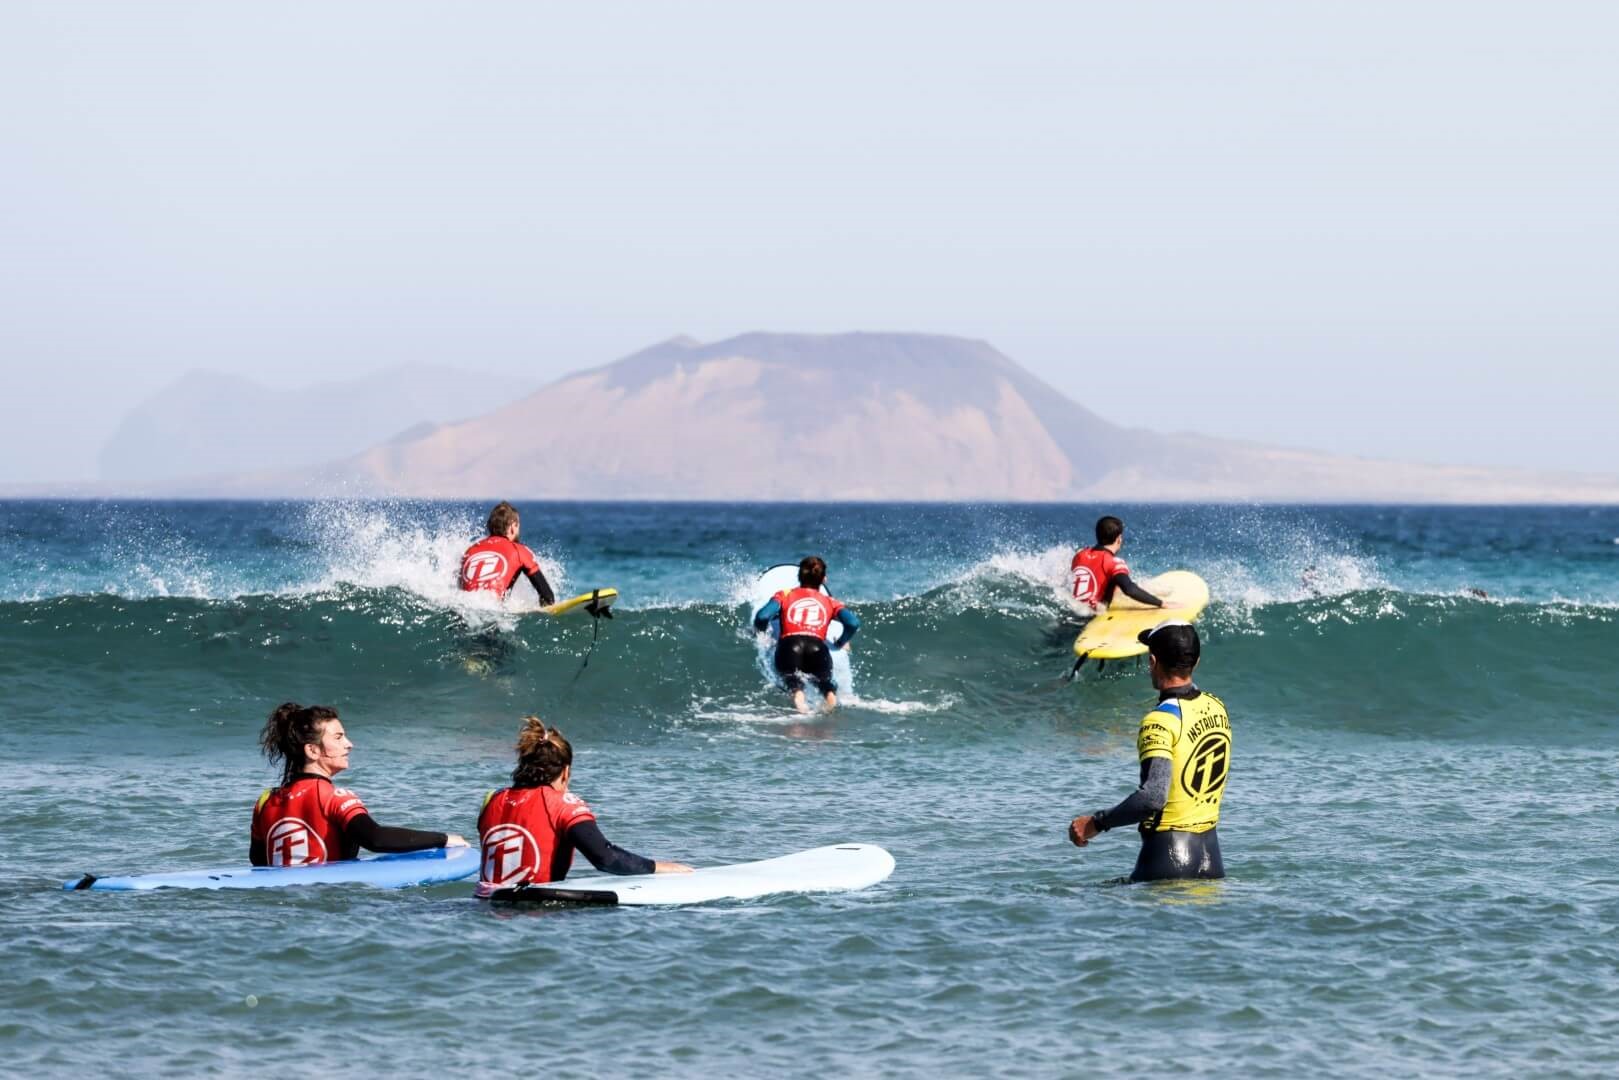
pixel 1420 825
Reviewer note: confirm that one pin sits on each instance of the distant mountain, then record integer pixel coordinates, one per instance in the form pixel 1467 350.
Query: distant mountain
pixel 205 423
pixel 855 416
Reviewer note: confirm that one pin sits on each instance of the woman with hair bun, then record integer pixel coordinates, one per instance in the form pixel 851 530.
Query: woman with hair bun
pixel 529 831
pixel 306 819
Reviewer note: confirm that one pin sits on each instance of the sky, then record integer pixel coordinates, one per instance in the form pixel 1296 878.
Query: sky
pixel 1380 229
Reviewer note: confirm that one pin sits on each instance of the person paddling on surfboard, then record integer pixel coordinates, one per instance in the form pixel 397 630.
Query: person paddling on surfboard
pixel 1185 749
pixel 494 563
pixel 307 819
pixel 1098 572
pixel 528 832
pixel 806 614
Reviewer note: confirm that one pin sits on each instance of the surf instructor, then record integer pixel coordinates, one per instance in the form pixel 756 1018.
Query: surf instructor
pixel 1185 749
pixel 494 563
pixel 1098 572
pixel 806 614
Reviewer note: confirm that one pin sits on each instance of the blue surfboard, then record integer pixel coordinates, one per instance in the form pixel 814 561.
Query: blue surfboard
pixel 397 871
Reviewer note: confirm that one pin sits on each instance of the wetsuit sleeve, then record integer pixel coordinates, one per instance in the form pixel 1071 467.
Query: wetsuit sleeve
pixel 772 610
pixel 529 567
pixel 587 838
pixel 365 831
pixel 1145 800
pixel 1135 592
pixel 536 577
pixel 851 624
pixel 255 853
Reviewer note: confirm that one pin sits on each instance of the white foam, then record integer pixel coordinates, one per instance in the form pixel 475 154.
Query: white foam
pixel 373 546
pixel 897 708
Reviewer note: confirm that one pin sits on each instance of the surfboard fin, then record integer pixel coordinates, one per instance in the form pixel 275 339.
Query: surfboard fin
pixel 597 611
pixel 1073 672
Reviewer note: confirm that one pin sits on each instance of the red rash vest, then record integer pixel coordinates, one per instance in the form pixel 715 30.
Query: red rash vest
pixel 1093 571
pixel 493 564
pixel 523 833
pixel 807 611
pixel 306 822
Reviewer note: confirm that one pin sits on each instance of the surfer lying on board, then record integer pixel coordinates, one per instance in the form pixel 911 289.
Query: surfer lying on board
pixel 1185 750
pixel 1098 571
pixel 494 563
pixel 529 831
pixel 806 615
pixel 307 820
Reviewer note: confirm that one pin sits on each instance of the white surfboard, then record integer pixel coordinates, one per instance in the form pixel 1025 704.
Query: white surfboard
pixel 780 578
pixel 838 868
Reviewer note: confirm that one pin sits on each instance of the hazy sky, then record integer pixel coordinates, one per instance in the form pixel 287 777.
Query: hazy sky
pixel 1384 229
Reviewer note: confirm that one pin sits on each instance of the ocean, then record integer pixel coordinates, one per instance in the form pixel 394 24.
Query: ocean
pixel 1420 827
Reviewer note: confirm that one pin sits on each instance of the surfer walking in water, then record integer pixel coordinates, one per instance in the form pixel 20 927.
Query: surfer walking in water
pixel 495 563
pixel 1184 745
pixel 1098 572
pixel 806 614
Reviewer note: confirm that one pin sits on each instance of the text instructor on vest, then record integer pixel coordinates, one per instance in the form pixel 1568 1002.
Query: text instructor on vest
pixel 1184 745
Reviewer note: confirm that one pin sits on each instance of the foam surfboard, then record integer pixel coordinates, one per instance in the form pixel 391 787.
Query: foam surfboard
pixel 838 868
pixel 780 578
pixel 396 871
pixel 1112 634
pixel 596 602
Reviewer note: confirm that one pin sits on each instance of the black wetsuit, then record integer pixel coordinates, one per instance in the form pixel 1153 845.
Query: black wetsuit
pixel 605 855
pixel 800 655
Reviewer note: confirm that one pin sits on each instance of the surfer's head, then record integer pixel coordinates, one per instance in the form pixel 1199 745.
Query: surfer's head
pixel 542 754
pixel 812 572
pixel 503 519
pixel 1108 529
pixel 1173 649
pixel 301 736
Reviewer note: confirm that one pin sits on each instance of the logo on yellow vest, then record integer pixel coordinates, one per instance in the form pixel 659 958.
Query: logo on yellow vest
pixel 1205 771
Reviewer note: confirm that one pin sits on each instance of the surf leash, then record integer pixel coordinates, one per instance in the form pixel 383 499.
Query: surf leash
pixel 598 611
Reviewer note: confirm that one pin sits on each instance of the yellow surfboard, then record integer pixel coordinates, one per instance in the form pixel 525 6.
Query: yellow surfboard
pixel 596 601
pixel 1112 634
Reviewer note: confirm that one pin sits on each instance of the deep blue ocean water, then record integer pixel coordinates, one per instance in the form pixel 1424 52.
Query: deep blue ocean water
pixel 1420 826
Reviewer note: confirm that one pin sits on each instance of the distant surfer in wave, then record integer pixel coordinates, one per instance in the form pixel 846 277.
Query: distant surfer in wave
pixel 494 563
pixel 307 819
pixel 1098 572
pixel 528 832
pixel 806 614
pixel 1185 749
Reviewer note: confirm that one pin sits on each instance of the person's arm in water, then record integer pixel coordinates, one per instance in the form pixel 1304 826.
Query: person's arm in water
pixel 1137 807
pixel 536 578
pixel 1123 584
pixel 609 858
pixel 851 624
pixel 772 610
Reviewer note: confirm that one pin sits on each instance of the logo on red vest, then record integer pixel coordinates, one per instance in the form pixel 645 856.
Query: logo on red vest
pixel 484 566
pixel 1084 583
pixel 808 612
pixel 291 842
pixel 509 854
